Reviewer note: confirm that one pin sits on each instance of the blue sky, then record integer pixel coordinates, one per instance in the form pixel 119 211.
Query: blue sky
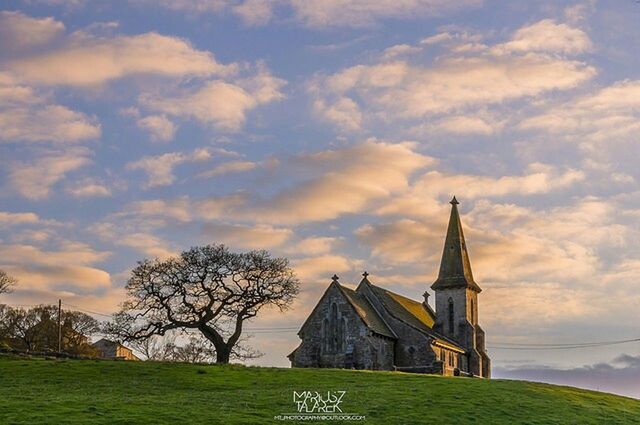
pixel 334 133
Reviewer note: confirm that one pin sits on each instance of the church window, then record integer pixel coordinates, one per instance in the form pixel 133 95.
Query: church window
pixel 342 341
pixel 326 335
pixel 451 316
pixel 333 325
pixel 335 331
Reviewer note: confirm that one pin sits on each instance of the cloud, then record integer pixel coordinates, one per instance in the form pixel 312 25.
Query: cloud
pixel 465 125
pixel 11 219
pixel 149 244
pixel 402 241
pixel 19 31
pixel 34 179
pixel 321 267
pixel 467 75
pixel 200 6
pixel 344 112
pixel 134 234
pixel 243 236
pixel 421 199
pixel 541 178
pixel 160 128
pixel 89 188
pixel 339 181
pixel 357 13
pixel 240 166
pixel 314 245
pixel 230 167
pixel 350 179
pixel 69 265
pixel 85 60
pixel 221 104
pixel 548 36
pixel 159 169
pixel 255 12
pixel 46 123
pixel 28 116
pixel 608 114
pixel 328 13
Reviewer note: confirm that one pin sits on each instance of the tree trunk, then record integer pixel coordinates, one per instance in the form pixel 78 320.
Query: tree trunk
pixel 223 355
pixel 223 351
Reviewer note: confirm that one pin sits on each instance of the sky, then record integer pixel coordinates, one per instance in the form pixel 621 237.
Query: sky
pixel 334 133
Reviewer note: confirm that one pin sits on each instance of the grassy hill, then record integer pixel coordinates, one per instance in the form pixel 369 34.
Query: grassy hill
pixel 103 392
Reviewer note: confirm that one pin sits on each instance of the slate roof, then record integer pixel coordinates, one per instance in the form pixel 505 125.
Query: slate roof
pixel 366 312
pixel 405 309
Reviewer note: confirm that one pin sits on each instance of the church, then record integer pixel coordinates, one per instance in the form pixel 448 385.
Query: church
pixel 373 328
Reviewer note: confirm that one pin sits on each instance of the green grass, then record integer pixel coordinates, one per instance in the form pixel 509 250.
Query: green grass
pixel 102 392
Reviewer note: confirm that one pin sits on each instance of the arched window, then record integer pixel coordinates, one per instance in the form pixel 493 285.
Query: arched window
pixel 333 324
pixel 326 336
pixel 451 316
pixel 342 337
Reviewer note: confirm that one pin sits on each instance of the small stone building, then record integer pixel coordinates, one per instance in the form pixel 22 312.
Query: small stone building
pixel 113 350
pixel 373 328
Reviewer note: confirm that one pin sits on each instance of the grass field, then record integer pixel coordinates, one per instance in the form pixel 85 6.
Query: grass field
pixel 39 391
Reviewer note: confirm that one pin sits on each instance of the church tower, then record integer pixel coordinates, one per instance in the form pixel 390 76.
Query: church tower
pixel 457 299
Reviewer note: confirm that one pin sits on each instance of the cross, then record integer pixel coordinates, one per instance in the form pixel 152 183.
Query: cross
pixel 365 274
pixel 335 278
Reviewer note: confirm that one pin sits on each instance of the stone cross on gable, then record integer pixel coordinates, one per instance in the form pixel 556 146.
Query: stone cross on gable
pixel 335 278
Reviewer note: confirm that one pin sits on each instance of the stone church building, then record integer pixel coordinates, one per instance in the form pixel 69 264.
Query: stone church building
pixel 373 328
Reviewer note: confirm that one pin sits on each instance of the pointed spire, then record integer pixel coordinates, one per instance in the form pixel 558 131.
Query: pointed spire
pixel 455 267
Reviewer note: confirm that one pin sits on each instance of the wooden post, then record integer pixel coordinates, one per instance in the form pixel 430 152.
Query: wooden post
pixel 59 326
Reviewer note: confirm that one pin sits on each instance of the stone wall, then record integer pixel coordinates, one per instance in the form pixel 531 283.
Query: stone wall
pixel 413 348
pixel 359 350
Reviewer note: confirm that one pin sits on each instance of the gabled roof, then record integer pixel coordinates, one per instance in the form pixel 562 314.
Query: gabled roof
pixel 455 267
pixel 403 308
pixel 366 312
pixel 361 306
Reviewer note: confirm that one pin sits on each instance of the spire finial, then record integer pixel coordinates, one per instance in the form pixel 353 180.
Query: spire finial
pixel 365 274
pixel 454 201
pixel 335 278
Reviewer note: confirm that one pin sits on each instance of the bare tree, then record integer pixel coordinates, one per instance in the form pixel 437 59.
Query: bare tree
pixel 155 348
pixel 197 350
pixel 208 289
pixel 6 282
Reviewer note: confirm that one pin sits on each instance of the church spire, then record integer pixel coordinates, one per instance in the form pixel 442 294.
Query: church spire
pixel 455 268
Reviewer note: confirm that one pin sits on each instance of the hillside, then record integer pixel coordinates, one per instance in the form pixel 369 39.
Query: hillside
pixel 104 392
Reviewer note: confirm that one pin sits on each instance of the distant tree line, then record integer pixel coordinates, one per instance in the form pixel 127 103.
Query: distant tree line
pixel 36 329
pixel 194 349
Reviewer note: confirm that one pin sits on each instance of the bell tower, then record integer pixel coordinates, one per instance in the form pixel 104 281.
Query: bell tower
pixel 457 298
